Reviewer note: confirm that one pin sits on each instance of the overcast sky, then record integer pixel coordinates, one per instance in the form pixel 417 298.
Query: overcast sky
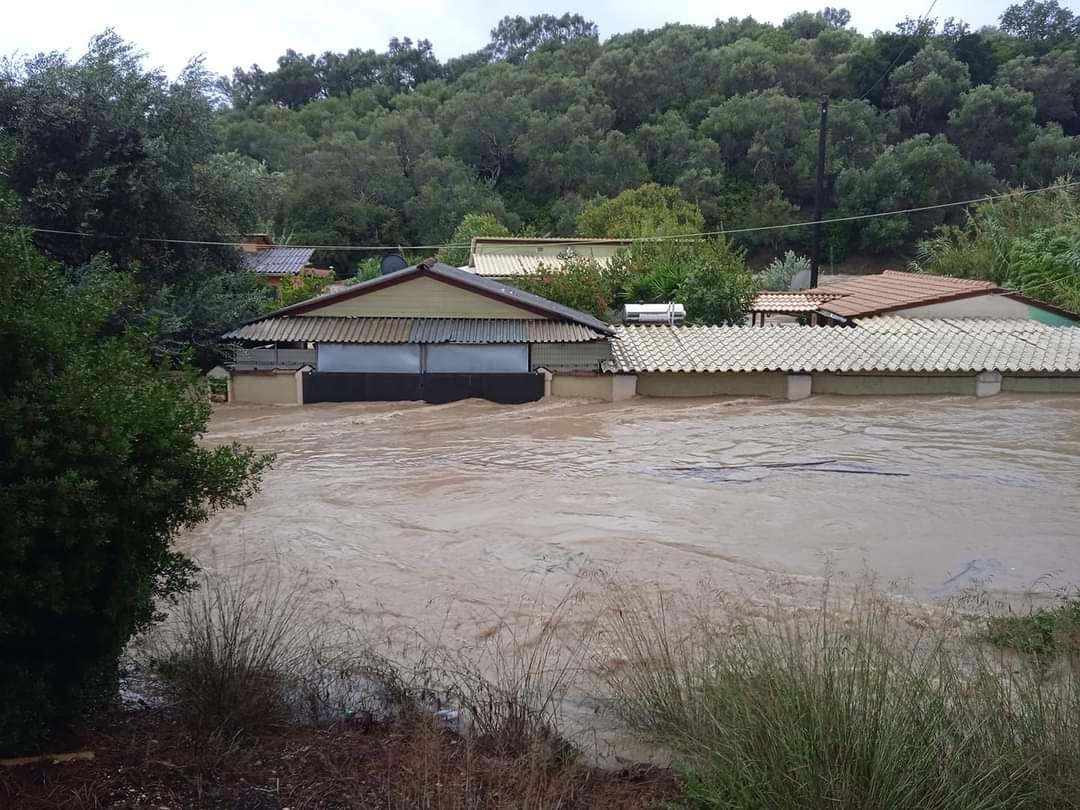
pixel 242 32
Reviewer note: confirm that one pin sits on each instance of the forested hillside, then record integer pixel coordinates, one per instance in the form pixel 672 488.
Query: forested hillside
pixel 396 147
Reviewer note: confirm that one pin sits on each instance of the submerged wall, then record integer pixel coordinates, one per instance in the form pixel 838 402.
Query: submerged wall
pixel 264 387
pixel 717 384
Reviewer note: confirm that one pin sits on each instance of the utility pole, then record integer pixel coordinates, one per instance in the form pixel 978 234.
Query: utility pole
pixel 819 193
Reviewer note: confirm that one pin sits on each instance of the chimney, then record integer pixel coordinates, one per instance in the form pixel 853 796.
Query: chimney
pixel 254 242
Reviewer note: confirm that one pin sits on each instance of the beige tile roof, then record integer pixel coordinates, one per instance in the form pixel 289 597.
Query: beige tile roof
pixel 881 348
pixel 508 265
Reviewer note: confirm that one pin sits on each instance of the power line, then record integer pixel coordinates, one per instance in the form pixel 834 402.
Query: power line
pixel 922 21
pixel 575 242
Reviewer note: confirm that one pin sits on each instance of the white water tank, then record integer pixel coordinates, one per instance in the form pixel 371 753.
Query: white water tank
pixel 654 313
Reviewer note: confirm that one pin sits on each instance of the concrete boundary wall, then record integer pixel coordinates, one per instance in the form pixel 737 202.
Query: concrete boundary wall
pixel 1041 385
pixel 713 384
pixel 894 384
pixel 264 387
pixel 608 387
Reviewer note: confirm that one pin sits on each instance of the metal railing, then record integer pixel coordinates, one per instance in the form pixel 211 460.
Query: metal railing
pixel 271 358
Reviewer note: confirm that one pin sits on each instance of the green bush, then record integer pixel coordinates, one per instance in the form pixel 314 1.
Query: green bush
pixel 781 271
pixel 852 706
pixel 579 283
pixel 100 467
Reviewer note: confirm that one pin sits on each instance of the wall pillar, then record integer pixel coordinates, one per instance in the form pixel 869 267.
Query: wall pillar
pixel 623 386
pixel 229 395
pixel 987 383
pixel 799 386
pixel 547 381
pixel 299 377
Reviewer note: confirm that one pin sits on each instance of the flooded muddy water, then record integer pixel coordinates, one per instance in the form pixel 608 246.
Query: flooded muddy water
pixel 396 511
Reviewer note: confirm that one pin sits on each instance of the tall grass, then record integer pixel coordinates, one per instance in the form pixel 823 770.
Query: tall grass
pixel 847 706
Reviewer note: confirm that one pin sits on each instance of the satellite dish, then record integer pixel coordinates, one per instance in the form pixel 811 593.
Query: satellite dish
pixel 801 280
pixel 391 263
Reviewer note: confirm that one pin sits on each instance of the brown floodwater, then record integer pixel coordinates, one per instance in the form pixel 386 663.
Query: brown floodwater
pixel 407 513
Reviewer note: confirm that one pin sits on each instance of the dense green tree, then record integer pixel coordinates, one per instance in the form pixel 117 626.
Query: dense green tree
pixel 1050 155
pixel 918 172
pixel 649 210
pixel 930 86
pixel 994 124
pixel 103 147
pixel 471 226
pixel 1041 23
pixel 514 38
pixel 100 467
pixel 1053 81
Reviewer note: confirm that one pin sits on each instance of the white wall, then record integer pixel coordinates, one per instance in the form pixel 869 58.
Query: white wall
pixel 396 358
pixel 477 359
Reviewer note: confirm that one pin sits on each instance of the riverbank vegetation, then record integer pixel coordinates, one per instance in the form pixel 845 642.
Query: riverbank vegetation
pixel 857 701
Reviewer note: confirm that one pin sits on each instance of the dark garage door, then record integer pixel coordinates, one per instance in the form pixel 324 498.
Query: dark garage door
pixel 509 389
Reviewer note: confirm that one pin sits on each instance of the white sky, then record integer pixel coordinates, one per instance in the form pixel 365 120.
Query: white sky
pixel 242 32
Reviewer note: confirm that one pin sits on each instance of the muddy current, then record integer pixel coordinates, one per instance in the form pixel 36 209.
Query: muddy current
pixel 407 513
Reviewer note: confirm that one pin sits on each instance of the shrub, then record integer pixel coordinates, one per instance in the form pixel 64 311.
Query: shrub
pixel 719 286
pixel 782 271
pixel 100 467
pixel 846 706
pixel 472 225
pixel 576 282
pixel 646 211
pixel 302 287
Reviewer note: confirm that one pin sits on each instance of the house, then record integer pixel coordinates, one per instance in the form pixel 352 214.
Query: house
pixel 911 295
pixel 429 331
pixel 275 262
pixel 510 256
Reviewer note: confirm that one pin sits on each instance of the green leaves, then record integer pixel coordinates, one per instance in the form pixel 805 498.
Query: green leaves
pixel 100 466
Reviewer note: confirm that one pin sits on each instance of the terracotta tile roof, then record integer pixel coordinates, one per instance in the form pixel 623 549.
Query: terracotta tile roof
pixel 893 290
pixel 770 301
pixel 339 329
pixel 881 348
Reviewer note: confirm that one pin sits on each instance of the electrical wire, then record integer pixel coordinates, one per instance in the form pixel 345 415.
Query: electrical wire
pixel 899 56
pixel 575 242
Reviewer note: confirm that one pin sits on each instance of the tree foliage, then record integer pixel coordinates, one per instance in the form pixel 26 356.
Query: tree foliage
pixel 100 467
pixel 1030 243
pixel 471 226
pixel 649 210
pixel 103 147
pixel 546 117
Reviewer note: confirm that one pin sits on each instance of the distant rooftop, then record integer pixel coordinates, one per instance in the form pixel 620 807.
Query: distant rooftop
pixel 278 260
pixel 509 256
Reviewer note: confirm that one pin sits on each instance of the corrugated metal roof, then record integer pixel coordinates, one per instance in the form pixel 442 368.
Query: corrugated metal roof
pixel 278 260
pixel 429 268
pixel 509 265
pixel 324 329
pixel 847 349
